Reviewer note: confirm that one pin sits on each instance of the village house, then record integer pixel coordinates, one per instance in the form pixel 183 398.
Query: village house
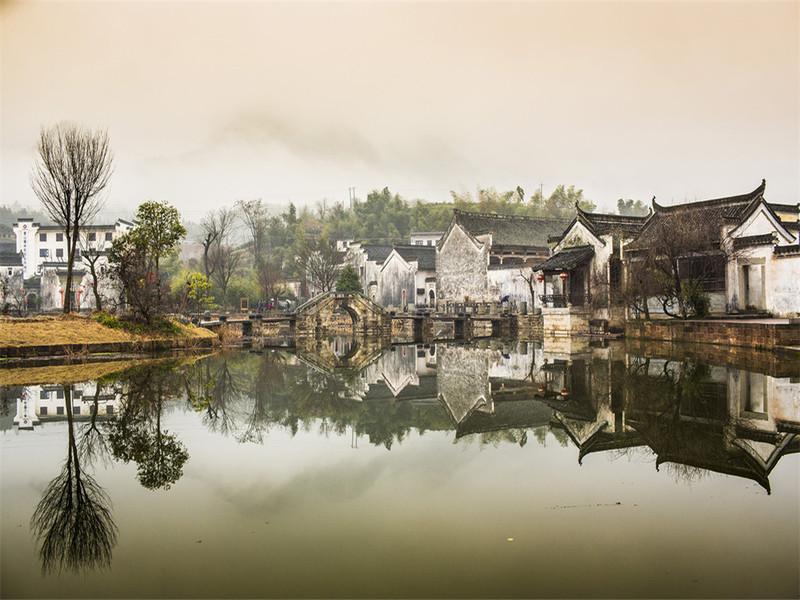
pixel 751 259
pixel 577 283
pixel 399 277
pixel 42 250
pixel 425 238
pixel 485 257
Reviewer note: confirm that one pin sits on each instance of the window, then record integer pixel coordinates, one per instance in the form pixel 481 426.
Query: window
pixel 43 252
pixel 59 237
pixel 77 253
pixel 709 271
pixel 76 410
pixel 59 410
pixel 42 237
pixel 108 236
pixel 109 409
pixel 44 395
pixel 419 242
pixel 59 253
pixel 60 393
pixel 92 236
pixel 430 242
pixel 43 411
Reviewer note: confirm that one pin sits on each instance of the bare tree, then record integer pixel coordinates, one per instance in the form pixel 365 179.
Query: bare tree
pixel 91 254
pixel 217 226
pixel 224 261
pixel 269 275
pixel 321 262
pixel 677 259
pixel 73 522
pixel 253 215
pixel 73 167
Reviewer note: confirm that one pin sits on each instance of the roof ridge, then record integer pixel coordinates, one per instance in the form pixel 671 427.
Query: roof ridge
pixel 741 198
pixel 457 212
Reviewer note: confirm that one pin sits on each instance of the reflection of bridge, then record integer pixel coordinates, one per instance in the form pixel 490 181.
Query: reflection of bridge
pixel 361 353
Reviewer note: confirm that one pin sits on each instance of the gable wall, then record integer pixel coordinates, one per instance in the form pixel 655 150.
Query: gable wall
pixel 394 277
pixel 461 267
pixel 759 223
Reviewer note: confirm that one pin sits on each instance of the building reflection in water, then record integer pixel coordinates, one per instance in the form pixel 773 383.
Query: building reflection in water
pixel 722 412
pixel 694 416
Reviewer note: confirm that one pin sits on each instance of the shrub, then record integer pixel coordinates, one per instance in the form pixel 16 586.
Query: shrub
pixel 696 300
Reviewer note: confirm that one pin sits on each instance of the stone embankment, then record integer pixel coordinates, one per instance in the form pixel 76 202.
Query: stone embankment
pixel 779 335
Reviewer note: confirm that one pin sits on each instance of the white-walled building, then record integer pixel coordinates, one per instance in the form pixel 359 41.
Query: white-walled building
pixel 43 252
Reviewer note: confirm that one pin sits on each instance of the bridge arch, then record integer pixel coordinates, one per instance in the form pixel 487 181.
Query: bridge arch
pixel 315 316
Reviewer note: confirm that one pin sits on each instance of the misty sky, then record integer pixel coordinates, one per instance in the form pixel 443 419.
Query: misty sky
pixel 207 103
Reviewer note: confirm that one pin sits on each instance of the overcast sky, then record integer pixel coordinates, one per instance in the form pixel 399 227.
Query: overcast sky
pixel 207 103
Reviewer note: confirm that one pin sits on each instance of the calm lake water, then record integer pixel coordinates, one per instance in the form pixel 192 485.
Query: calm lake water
pixel 488 470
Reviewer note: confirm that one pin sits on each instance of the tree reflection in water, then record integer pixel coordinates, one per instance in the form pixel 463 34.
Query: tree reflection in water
pixel 73 523
pixel 136 435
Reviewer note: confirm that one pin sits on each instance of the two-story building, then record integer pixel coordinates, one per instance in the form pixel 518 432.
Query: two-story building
pixel 43 253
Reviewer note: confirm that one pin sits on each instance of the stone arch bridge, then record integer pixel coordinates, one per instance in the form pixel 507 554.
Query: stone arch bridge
pixel 369 318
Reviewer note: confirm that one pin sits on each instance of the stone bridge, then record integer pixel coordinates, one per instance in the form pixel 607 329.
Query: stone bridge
pixel 314 317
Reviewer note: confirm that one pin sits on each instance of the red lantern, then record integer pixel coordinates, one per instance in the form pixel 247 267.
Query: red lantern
pixel 540 277
pixel 563 276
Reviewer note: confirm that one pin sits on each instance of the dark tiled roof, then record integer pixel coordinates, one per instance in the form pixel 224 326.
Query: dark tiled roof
pixel 755 240
pixel 568 258
pixel 10 259
pixel 377 252
pixel 786 250
pixel 784 208
pixel 424 255
pixel 708 214
pixel 601 223
pixel 511 230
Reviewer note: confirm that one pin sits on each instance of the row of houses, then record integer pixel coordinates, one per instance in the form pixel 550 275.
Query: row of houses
pixel 750 260
pixel 33 267
pixel 569 269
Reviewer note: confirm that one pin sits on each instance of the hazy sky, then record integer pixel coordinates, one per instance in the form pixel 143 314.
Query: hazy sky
pixel 207 103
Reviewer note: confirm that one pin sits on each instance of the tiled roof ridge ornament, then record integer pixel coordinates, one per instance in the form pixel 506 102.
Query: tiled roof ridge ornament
pixel 754 195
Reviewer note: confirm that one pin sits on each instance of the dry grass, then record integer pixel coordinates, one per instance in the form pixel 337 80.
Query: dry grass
pixel 75 329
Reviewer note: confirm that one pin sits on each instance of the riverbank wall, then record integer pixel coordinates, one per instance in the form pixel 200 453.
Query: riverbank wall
pixel 766 334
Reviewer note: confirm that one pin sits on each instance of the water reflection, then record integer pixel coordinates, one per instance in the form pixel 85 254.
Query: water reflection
pixel 137 434
pixel 732 415
pixel 73 523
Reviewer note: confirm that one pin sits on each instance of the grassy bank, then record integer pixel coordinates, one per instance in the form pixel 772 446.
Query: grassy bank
pixel 67 334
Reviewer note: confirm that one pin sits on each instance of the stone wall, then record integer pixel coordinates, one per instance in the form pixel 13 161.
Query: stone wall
pixel 730 333
pixel 529 326
pixel 565 321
